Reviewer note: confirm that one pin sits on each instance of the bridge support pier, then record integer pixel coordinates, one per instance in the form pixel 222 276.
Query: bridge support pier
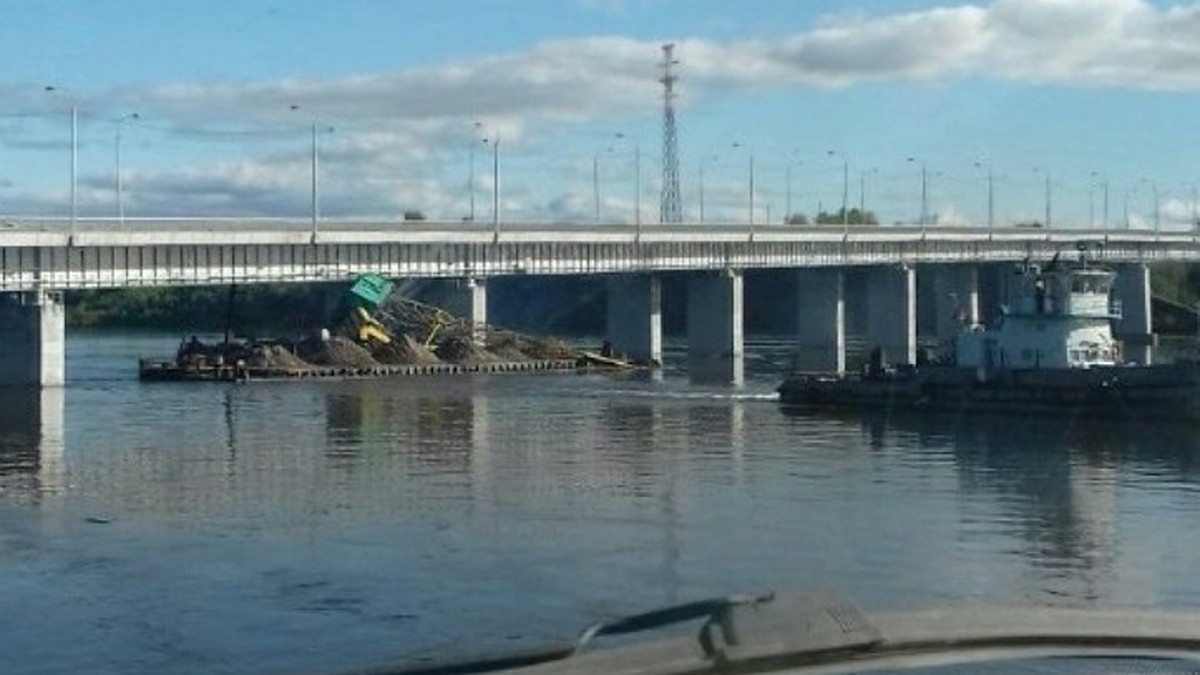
pixel 32 335
pixel 476 301
pixel 635 316
pixel 892 312
pixel 1135 327
pixel 821 338
pixel 956 300
pixel 714 323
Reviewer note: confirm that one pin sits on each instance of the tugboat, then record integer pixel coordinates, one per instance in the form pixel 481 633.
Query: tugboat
pixel 1051 351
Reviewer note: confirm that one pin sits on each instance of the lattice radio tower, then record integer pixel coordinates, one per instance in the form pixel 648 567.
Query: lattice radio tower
pixel 670 210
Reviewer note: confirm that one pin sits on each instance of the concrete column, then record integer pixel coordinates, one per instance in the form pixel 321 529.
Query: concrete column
pixel 635 316
pixel 714 321
pixel 956 299
pixel 892 312
pixel 1135 327
pixel 32 343
pixel 821 340
pixel 993 280
pixel 477 293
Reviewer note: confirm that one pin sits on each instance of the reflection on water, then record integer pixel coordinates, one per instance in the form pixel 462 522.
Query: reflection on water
pixel 313 525
pixel 1056 485
pixel 31 438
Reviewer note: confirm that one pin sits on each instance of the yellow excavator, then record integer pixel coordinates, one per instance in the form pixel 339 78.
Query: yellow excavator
pixel 367 329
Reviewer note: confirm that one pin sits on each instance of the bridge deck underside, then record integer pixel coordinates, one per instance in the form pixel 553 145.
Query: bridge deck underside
pixel 61 267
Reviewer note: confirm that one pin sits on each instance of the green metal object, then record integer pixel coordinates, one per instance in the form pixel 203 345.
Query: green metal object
pixel 372 289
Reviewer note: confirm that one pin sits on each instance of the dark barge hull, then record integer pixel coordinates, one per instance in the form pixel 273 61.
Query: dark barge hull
pixel 168 371
pixel 1149 392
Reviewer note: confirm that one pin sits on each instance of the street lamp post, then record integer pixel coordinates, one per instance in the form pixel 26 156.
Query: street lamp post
pixel 637 181
pixel 471 172
pixel 1157 211
pixel 700 182
pixel 862 192
pixel 924 191
pixel 316 188
pixel 596 183
pixel 751 185
pixel 991 194
pixel 1049 202
pixel 314 174
pixel 845 187
pixel 117 145
pixel 1104 185
pixel 494 144
pixel 788 184
pixel 1128 191
pixel 74 155
pixel 1048 196
pixel 1195 221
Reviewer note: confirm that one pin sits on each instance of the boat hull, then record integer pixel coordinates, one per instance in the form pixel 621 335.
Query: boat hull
pixel 1119 391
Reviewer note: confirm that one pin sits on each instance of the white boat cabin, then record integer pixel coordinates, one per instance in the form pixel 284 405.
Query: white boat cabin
pixel 1060 317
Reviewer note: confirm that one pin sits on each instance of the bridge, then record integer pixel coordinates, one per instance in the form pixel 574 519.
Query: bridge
pixel 872 267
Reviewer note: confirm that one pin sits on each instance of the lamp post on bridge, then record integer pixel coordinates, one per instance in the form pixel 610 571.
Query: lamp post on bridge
pixel 791 161
pixel 924 191
pixel 471 170
pixel 750 174
pixel 845 188
pixel 315 189
pixel 1091 207
pixel 494 144
pixel 1048 196
pixel 596 184
pixel 74 154
pixel 637 181
pixel 117 145
pixel 862 192
pixel 1157 210
pixel 991 194
pixel 1195 219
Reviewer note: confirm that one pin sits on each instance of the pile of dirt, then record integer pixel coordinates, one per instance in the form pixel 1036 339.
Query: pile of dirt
pixel 405 350
pixel 505 348
pixel 547 348
pixel 277 356
pixel 458 349
pixel 338 351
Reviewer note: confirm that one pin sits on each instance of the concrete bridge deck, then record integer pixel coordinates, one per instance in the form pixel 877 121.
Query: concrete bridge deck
pixel 49 254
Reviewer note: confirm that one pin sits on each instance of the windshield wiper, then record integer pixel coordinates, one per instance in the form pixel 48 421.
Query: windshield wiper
pixel 769 632
pixel 829 624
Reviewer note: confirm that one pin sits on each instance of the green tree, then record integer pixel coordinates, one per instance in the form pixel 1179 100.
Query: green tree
pixel 851 217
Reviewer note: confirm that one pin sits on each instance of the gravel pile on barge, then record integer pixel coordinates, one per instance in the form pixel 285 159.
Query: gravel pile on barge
pixel 376 336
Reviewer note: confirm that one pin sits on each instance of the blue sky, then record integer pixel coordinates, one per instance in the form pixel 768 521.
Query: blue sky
pixel 1093 93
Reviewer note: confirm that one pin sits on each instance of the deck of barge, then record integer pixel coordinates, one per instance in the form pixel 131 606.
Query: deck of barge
pixel 169 371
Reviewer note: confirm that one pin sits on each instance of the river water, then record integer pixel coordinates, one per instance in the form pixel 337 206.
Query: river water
pixel 313 526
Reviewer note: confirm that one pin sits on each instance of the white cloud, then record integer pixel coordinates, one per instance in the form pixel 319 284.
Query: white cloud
pixel 1117 43
pixel 396 130
pixel 1179 211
